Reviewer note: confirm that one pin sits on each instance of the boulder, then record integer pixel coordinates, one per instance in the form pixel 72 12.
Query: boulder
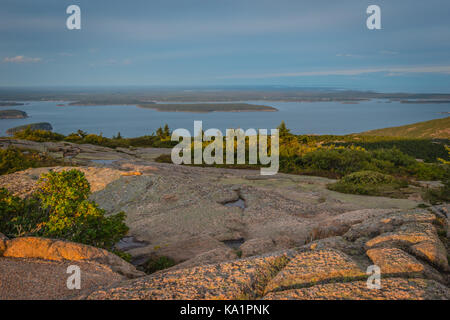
pixel 241 279
pixel 43 279
pixel 182 250
pixel 57 250
pixel 310 267
pixel 257 246
pixel 391 289
pixel 406 235
pixel 432 251
pixel 213 256
pixel 386 223
pixel 338 243
pixel 395 261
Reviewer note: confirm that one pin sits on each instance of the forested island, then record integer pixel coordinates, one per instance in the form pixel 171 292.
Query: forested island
pixel 12 114
pixel 10 104
pixel 45 126
pixel 207 107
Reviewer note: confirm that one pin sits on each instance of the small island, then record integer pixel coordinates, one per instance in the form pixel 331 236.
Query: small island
pixel 10 104
pixel 13 114
pixel 33 126
pixel 208 107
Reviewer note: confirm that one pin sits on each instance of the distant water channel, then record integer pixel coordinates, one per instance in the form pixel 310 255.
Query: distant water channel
pixel 300 117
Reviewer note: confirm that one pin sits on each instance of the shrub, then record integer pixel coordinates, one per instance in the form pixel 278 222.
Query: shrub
pixel 156 264
pixel 369 183
pixel 337 161
pixel 61 210
pixel 20 217
pixel 13 159
pixel 38 135
pixel 72 216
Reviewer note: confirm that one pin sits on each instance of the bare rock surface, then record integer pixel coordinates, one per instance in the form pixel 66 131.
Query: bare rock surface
pixel 231 280
pixel 42 279
pixel 309 268
pixel 392 289
pixel 56 250
pixel 393 261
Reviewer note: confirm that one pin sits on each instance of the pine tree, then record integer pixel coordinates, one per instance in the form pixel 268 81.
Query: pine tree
pixel 283 130
pixel 166 131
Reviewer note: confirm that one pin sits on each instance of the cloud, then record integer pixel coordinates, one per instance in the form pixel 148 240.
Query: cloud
pixel 387 52
pixel 21 59
pixel 348 72
pixel 349 55
pixel 112 62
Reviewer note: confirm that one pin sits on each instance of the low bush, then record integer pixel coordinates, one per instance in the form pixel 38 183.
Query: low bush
pixel 38 135
pixel 369 183
pixel 60 209
pixel 156 264
pixel 13 159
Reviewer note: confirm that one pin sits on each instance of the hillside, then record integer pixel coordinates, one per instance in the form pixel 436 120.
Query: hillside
pixel 438 128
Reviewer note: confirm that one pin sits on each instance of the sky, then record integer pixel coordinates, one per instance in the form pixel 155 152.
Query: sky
pixel 314 43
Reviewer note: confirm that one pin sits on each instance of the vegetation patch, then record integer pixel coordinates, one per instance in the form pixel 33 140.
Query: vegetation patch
pixel 13 159
pixel 60 209
pixel 370 183
pixel 155 264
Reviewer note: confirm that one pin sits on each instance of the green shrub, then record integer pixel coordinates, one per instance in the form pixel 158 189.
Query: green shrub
pixel 72 216
pixel 38 135
pixel 337 161
pixel 61 210
pixel 442 194
pixel 20 217
pixel 156 264
pixel 369 183
pixel 13 159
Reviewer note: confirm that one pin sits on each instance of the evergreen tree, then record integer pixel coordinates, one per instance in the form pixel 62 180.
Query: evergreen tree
pixel 283 130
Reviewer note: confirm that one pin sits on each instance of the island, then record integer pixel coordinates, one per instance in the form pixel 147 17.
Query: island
pixel 34 126
pixel 13 114
pixel 10 104
pixel 207 107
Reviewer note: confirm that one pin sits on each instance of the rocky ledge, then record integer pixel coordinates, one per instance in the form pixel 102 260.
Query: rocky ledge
pixel 405 245
pixel 233 234
pixel 36 268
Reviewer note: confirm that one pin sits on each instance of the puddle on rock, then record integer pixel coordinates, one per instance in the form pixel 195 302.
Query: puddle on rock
pixel 129 243
pixel 234 244
pixel 240 203
pixel 102 161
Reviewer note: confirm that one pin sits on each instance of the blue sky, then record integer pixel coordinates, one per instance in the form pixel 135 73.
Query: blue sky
pixel 227 42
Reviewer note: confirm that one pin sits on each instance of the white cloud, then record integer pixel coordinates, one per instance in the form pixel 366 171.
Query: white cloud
pixel 21 59
pixel 348 55
pixel 347 72
pixel 387 52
